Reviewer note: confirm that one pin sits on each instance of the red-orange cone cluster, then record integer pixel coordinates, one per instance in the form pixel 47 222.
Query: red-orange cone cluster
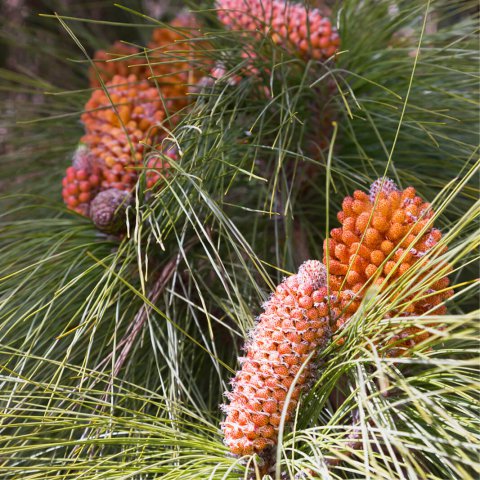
pixel 293 325
pixel 126 117
pixel 119 126
pixel 107 67
pixel 169 60
pixel 291 25
pixel 81 182
pixel 117 136
pixel 382 236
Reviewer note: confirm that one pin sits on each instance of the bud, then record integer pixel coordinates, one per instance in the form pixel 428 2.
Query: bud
pixel 158 167
pixel 108 211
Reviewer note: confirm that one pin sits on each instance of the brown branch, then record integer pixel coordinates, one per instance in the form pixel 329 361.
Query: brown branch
pixel 142 315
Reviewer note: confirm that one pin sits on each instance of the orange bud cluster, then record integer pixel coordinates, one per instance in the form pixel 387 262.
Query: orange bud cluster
pixel 293 325
pixel 290 25
pixel 117 135
pixel 170 62
pixel 119 125
pixel 383 234
pixel 81 182
pixel 172 55
pixel 107 67
pixel 125 117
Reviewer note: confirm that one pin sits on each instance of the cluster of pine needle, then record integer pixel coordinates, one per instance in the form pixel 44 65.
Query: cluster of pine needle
pixel 261 261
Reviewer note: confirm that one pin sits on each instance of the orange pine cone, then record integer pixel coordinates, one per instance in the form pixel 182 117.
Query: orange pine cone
pixel 107 68
pixel 171 61
pixel 380 240
pixel 117 137
pixel 291 25
pixel 293 325
pixel 81 182
pixel 175 60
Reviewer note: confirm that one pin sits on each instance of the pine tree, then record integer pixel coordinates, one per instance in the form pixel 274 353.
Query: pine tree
pixel 128 291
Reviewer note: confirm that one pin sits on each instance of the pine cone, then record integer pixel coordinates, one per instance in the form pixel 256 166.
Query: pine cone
pixel 107 68
pixel 390 222
pixel 177 63
pixel 116 138
pixel 293 325
pixel 291 25
pixel 108 210
pixel 81 182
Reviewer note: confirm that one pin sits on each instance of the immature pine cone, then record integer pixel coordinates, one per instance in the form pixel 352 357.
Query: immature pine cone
pixel 108 210
pixel 176 60
pixel 391 232
pixel 107 67
pixel 116 138
pixel 293 325
pixel 289 24
pixel 81 182
pixel 170 60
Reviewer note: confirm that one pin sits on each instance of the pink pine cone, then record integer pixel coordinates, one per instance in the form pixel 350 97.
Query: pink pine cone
pixel 293 325
pixel 289 24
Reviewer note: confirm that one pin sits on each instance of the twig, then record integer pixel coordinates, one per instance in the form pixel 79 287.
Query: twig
pixel 142 315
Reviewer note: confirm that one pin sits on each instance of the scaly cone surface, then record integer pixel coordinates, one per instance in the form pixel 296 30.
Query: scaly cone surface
pixel 107 67
pixel 108 210
pixel 293 325
pixel 171 60
pixel 117 136
pixel 290 25
pixel 175 60
pixel 380 240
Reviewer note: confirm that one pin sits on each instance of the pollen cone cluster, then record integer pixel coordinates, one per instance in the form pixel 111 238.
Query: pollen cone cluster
pixel 81 182
pixel 119 126
pixel 383 234
pixel 290 25
pixel 116 135
pixel 111 62
pixel 125 118
pixel 293 325
pixel 170 60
